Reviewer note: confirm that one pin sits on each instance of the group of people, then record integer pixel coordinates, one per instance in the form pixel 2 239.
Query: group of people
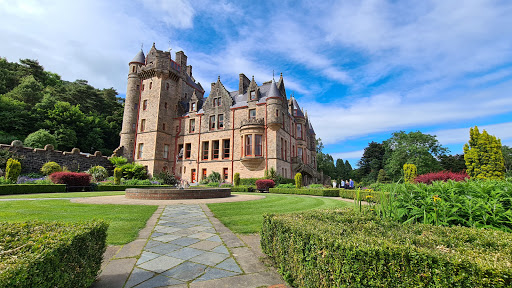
pixel 347 184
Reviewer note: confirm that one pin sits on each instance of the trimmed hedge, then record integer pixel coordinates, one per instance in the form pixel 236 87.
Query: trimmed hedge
pixel 364 195
pixel 74 181
pixel 249 181
pixel 340 248
pixel 302 191
pixel 11 189
pixel 243 189
pixel 265 184
pixel 51 254
pixel 124 187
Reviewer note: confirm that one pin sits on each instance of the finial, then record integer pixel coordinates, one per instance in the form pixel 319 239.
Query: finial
pixel 218 78
pixel 153 44
pixel 169 50
pixel 141 46
pixel 281 74
pixel 273 75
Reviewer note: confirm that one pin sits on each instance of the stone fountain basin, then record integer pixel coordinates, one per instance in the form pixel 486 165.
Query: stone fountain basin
pixel 176 194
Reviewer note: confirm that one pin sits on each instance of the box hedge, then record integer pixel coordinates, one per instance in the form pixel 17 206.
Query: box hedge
pixel 363 194
pixel 51 254
pixel 340 248
pixel 124 187
pixel 304 191
pixel 243 189
pixel 11 189
pixel 249 181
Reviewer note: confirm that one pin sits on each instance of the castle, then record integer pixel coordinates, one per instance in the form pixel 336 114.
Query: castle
pixel 168 124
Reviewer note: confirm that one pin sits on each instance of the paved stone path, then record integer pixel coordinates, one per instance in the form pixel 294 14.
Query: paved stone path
pixel 185 246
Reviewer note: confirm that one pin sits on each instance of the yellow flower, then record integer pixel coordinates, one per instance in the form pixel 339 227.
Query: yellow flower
pixel 369 196
pixel 436 198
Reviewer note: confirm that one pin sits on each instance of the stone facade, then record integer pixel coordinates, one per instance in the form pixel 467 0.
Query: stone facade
pixel 169 125
pixel 33 159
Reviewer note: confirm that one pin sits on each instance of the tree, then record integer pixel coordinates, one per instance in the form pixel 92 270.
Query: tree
pixel 507 156
pixel 415 148
pixel 325 162
pixel 383 177
pixel 39 139
pixel 340 169
pixel 483 155
pixel 453 163
pixel 348 170
pixel 372 161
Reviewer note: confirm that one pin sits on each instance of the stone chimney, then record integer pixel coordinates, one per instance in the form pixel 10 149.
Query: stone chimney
pixel 189 70
pixel 181 59
pixel 243 84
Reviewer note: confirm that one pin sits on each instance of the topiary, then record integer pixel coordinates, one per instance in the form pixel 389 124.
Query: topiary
pixel 39 139
pixel 410 173
pixel 50 167
pixel 298 180
pixel 12 170
pixel 98 173
pixel 118 174
pixel 236 179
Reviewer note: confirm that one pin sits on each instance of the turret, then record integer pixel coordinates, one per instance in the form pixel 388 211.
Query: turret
pixel 131 106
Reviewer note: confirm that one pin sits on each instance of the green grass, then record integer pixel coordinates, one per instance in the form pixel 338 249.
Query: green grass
pixel 247 217
pixel 63 195
pixel 125 220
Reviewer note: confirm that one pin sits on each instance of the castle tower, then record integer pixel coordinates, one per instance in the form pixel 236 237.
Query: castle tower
pixel 131 106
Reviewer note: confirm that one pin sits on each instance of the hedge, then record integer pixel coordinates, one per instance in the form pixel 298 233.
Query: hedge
pixel 340 248
pixel 243 189
pixel 124 187
pixel 51 254
pixel 302 191
pixel 363 194
pixel 10 189
pixel 249 181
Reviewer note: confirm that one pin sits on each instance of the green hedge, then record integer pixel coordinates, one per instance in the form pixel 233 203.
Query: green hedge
pixel 340 248
pixel 124 187
pixel 243 189
pixel 51 254
pixel 248 181
pixel 10 189
pixel 303 191
pixel 363 195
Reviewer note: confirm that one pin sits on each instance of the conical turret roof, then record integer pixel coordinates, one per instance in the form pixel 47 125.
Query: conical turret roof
pixel 139 58
pixel 273 91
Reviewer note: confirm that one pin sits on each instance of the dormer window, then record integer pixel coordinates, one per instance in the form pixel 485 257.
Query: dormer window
pixel 253 95
pixel 252 113
pixel 193 107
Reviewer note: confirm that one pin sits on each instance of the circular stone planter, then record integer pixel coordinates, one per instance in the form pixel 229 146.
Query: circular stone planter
pixel 176 194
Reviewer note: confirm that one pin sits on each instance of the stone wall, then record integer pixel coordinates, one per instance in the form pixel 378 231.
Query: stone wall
pixel 33 159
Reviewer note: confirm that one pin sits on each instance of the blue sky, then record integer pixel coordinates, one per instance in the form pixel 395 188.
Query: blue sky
pixel 361 69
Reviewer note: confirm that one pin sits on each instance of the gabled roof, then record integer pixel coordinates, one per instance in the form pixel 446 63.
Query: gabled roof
pixel 266 90
pixel 297 112
pixel 139 58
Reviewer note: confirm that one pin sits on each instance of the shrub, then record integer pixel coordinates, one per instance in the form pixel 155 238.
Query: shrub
pixel 236 179
pixel 441 176
pixel 214 177
pixel 50 167
pixel 118 161
pixel 298 180
pixel 316 186
pixel 40 138
pixel 265 184
pixel 242 188
pixel 12 170
pixel 330 192
pixel 166 178
pixel 364 195
pixel 340 248
pixel 382 177
pixel 288 186
pixel 134 171
pixel 14 189
pixel 51 254
pixel 249 181
pixel 98 173
pixel 118 174
pixel 212 184
pixel 139 182
pixel 410 172
pixel 74 181
pixel 226 185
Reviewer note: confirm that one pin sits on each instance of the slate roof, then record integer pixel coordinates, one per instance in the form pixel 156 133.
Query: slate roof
pixel 267 89
pixel 139 58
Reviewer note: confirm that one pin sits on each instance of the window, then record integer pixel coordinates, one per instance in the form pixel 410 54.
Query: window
pixel 285 152
pixel 225 173
pixel 299 131
pixel 192 126
pixel 300 154
pixel 167 86
pixel 226 146
pixel 133 127
pixel 204 173
pixel 219 102
pixel 277 113
pixel 215 149
pixel 252 113
pixel 220 125
pixel 283 119
pixel 257 145
pixel 138 87
pixel 180 151
pixel 133 69
pixel 142 125
pixel 282 148
pixel 163 126
pixel 253 95
pixel 248 145
pixel 150 85
pixel 139 151
pixel 165 105
pixel 166 151
pixel 293 150
pixel 212 122
pixel 206 146
pixel 145 105
pixel 188 150
pixel 143 87
pixel 193 107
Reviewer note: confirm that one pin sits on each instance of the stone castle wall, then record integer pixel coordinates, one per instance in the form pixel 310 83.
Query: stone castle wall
pixel 33 159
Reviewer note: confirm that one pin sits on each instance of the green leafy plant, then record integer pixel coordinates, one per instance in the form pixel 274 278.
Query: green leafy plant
pixel 410 173
pixel 166 178
pixel 298 180
pixel 98 173
pixel 118 174
pixel 118 161
pixel 134 171
pixel 214 177
pixel 12 170
pixel 50 167
pixel 236 179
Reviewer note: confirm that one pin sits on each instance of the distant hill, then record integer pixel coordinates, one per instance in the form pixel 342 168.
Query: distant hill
pixel 77 114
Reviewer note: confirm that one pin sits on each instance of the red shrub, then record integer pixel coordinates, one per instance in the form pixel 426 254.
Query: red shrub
pixel 441 176
pixel 71 178
pixel 265 184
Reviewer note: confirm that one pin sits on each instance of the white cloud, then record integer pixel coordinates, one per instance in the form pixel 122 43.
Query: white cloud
pixel 175 13
pixel 350 155
pixel 502 131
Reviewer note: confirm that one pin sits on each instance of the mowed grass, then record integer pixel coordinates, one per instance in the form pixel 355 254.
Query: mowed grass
pixel 63 195
pixel 247 217
pixel 125 220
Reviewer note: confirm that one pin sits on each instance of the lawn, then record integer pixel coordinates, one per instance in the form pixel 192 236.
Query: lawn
pixel 125 220
pixel 63 195
pixel 247 217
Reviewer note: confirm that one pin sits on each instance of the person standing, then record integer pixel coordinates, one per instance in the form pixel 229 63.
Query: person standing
pixel 351 184
pixel 342 184
pixel 347 184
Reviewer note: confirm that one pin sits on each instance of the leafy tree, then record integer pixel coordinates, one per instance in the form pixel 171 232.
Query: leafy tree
pixel 325 162
pixel 39 139
pixel 372 161
pixel 454 163
pixel 340 170
pixel 415 148
pixel 348 170
pixel 383 177
pixel 483 155
pixel 507 156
